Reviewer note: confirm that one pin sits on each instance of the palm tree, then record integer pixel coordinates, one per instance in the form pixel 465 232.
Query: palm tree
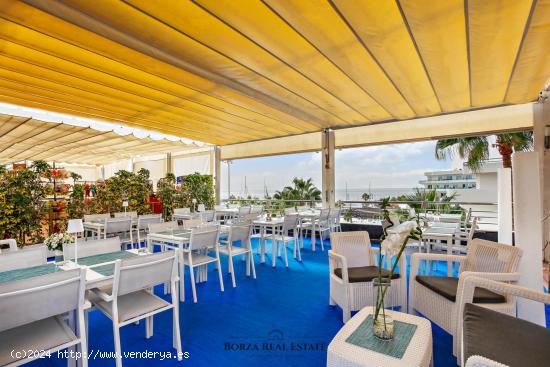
pixel 475 149
pixel 301 190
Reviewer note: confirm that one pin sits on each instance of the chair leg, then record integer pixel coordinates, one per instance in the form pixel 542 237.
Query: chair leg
pixel 118 348
pixel 232 271
pixel 248 262
pixel 181 266
pixel 193 286
pixel 83 334
pixel 176 330
pixel 284 250
pixel 253 266
pixel 297 245
pixel 148 327
pixel 220 272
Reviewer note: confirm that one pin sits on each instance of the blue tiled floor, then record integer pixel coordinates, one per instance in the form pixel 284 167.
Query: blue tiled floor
pixel 283 307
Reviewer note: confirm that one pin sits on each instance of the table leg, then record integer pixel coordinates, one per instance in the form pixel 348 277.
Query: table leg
pixel 262 244
pixel 313 237
pixel 182 275
pixel 273 247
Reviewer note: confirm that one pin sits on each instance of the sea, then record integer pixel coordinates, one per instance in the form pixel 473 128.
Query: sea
pixel 351 194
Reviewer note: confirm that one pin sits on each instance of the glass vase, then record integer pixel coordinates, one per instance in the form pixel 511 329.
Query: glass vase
pixel 382 325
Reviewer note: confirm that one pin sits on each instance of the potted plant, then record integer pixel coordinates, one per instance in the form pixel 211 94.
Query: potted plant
pixel 56 241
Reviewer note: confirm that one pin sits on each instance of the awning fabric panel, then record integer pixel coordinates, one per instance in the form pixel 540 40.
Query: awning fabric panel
pixel 487 121
pixel 227 72
pixel 23 138
pixel 286 145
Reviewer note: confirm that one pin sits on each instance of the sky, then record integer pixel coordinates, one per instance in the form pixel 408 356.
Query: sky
pixel 387 166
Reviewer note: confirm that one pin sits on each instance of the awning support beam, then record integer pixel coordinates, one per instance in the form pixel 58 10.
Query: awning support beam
pixel 328 182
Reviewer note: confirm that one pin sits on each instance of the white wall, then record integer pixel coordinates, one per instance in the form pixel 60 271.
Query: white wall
pixel 112 168
pixel 157 169
pixel 186 165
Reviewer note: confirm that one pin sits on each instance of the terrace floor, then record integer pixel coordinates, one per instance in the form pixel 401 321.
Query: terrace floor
pixel 283 308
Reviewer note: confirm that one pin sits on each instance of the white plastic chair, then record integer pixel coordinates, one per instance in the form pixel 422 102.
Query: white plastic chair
pixel 239 233
pixel 34 316
pixel 12 243
pixel 91 248
pixel 201 243
pixel 132 298
pixel 283 238
pixel 201 208
pixel 132 214
pixel 27 257
pixel 143 225
pixel 121 227
pixel 182 211
pixel 160 227
pixel 191 223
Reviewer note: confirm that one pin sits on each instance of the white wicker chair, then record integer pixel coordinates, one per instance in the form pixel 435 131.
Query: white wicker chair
pixel 472 282
pixel 487 259
pixel 352 250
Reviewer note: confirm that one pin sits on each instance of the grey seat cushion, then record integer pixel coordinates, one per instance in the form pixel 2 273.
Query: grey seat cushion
pixel 40 335
pixel 364 274
pixel 504 339
pixel 447 287
pixel 133 305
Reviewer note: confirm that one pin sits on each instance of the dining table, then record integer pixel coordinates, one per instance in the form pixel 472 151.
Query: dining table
pixel 179 238
pixel 309 215
pixel 441 233
pixel 273 224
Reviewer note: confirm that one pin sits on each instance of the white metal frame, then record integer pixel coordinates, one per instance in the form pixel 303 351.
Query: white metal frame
pixel 113 298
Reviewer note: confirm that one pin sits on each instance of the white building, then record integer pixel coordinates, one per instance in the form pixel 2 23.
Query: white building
pixel 477 191
pixel 478 187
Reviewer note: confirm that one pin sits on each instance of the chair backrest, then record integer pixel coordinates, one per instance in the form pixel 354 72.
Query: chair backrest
pixel 290 222
pixel 472 230
pixel 244 210
pixel 11 243
pixel 493 257
pixel 256 209
pixel 290 210
pixel 239 232
pixel 144 272
pixel 233 206
pixel 145 220
pixel 354 246
pixel 132 214
pixel 192 223
pixel 204 237
pixel 303 208
pixel 94 217
pixel 163 226
pixel 91 247
pixel 219 207
pixel 208 215
pixel 201 208
pixel 37 298
pixel 118 225
pixel 182 211
pixel 334 215
pixel 323 216
pixel 468 216
pixel 25 258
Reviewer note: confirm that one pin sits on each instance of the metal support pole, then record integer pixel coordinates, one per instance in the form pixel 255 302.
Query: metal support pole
pixel 218 173
pixel 328 182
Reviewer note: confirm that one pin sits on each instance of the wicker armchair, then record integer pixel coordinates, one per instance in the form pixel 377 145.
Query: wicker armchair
pixel 491 339
pixel 352 263
pixel 437 297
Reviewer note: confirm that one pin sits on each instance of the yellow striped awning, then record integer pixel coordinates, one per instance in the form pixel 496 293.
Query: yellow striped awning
pixel 27 138
pixel 226 71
